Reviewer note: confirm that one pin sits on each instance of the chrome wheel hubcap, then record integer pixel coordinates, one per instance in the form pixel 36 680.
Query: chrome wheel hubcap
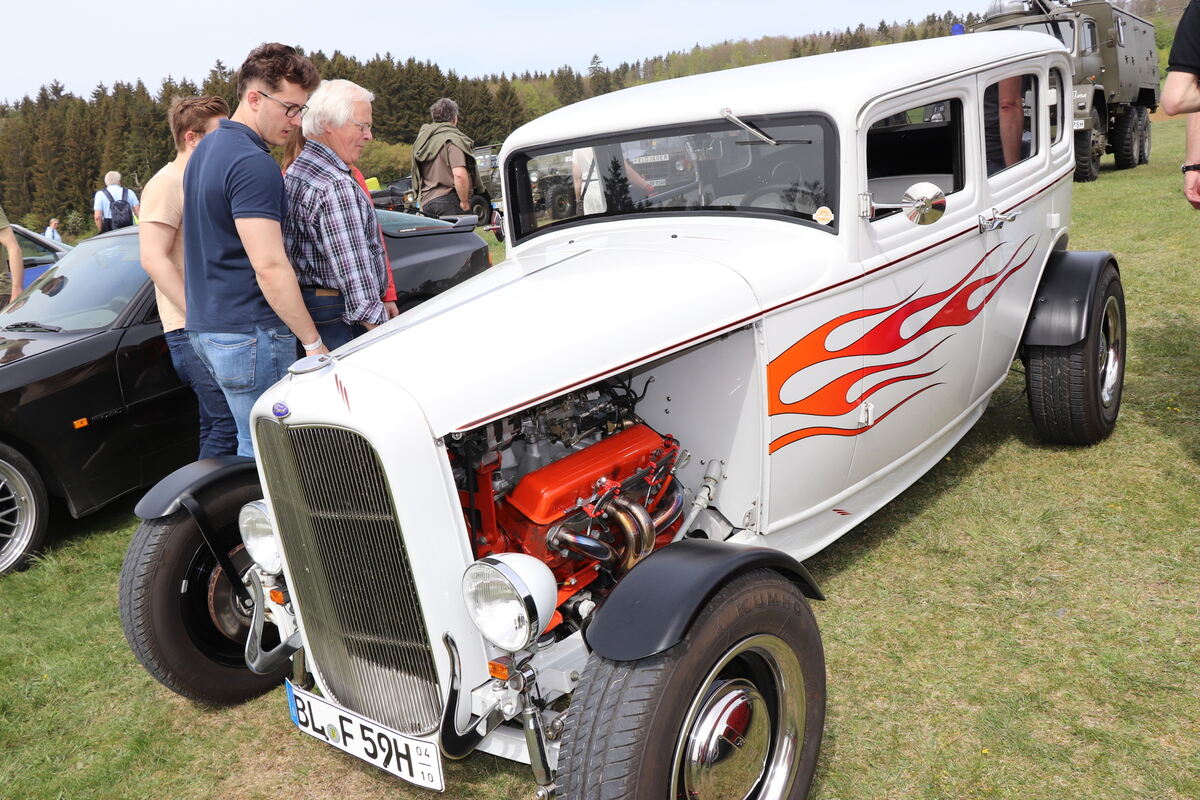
pixel 742 734
pixel 1110 353
pixel 16 515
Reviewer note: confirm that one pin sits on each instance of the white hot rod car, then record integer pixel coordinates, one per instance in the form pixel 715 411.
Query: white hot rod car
pixel 558 512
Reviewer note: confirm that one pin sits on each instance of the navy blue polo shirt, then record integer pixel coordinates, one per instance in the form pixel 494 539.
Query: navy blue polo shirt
pixel 229 176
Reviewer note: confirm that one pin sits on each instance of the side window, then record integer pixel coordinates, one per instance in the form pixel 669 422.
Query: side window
pixel 1119 29
pixel 1087 38
pixel 1057 106
pixel 1010 122
pixel 923 143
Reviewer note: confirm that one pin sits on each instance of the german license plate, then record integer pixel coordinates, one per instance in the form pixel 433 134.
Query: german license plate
pixel 413 760
pixel 1077 124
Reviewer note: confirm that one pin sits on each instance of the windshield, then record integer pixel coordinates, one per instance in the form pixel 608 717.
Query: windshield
pixel 87 289
pixel 706 168
pixel 1061 29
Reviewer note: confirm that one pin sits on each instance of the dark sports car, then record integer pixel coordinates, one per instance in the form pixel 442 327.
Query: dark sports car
pixel 90 406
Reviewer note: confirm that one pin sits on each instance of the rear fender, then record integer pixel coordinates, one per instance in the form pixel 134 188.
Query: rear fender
pixel 1059 317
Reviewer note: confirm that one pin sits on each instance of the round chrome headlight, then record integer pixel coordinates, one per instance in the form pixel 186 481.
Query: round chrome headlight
pixel 511 598
pixel 259 537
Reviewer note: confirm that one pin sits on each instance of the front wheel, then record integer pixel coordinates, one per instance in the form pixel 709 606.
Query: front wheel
pixel 735 710
pixel 482 209
pixel 1075 390
pixel 1089 147
pixel 181 615
pixel 23 510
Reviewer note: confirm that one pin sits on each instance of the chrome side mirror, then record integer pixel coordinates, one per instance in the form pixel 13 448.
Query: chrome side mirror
pixel 923 203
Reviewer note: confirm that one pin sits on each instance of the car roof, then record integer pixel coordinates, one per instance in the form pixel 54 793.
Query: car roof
pixel 839 84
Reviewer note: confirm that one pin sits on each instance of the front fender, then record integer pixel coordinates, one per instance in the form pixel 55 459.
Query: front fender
pixel 165 498
pixel 1063 298
pixel 653 606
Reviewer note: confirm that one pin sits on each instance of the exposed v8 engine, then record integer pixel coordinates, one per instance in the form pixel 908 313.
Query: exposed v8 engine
pixel 580 482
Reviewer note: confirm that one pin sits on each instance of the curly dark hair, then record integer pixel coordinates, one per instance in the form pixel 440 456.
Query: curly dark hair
pixel 272 63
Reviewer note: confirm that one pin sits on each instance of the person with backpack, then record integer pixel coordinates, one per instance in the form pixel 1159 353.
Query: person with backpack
pixel 115 206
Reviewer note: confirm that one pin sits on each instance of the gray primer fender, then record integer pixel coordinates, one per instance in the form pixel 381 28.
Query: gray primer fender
pixel 1059 315
pixel 653 606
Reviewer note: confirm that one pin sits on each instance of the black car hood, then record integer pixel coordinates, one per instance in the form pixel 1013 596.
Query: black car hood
pixel 18 346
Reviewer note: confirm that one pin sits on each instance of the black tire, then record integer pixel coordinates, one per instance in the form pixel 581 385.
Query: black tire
pixel 1088 149
pixel 23 510
pixel 561 202
pixel 629 725
pixel 1075 390
pixel 482 209
pixel 1146 138
pixel 1126 139
pixel 178 609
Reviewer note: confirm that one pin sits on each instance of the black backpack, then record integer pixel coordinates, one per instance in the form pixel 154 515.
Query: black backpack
pixel 119 211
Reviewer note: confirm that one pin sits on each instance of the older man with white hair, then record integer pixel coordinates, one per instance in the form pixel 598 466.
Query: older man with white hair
pixel 331 232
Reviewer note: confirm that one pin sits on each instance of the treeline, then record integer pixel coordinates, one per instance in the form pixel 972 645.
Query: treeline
pixel 56 147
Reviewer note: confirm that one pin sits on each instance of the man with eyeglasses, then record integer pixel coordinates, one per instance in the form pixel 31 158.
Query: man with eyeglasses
pixel 244 309
pixel 331 231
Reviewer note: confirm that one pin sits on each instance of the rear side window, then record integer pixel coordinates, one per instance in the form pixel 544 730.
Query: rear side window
pixel 922 143
pixel 1010 122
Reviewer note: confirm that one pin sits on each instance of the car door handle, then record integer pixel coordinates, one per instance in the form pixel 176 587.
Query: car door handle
pixel 996 221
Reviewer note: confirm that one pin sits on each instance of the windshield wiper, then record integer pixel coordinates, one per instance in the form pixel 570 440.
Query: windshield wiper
pixel 729 115
pixel 32 326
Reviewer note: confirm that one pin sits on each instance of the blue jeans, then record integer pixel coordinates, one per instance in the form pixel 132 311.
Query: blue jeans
pixel 326 312
pixel 245 365
pixel 218 433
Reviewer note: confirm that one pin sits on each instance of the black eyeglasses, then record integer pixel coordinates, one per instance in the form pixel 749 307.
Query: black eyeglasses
pixel 290 110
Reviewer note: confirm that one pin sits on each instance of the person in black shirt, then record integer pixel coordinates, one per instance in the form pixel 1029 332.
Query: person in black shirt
pixel 1181 93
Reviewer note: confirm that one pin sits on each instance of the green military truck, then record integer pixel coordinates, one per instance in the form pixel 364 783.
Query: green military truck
pixel 1115 61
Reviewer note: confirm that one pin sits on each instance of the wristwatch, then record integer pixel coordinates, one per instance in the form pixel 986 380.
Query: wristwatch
pixel 1189 168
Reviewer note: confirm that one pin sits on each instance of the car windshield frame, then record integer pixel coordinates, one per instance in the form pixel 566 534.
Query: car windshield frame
pixel 89 288
pixel 702 168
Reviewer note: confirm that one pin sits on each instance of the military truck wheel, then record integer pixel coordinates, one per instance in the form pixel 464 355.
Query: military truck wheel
pixel 735 710
pixel 23 510
pixel 561 203
pixel 482 209
pixel 178 609
pixel 1089 146
pixel 1126 139
pixel 1145 139
pixel 1075 390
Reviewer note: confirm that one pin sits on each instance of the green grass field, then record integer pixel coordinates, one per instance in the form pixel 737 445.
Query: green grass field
pixel 1022 623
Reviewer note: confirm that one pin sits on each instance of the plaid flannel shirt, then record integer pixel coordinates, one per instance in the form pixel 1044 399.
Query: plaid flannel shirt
pixel 332 234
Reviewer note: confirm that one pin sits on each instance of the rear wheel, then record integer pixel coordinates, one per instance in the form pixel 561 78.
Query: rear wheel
pixel 179 610
pixel 735 710
pixel 1075 390
pixel 562 203
pixel 1089 146
pixel 1126 139
pixel 1146 139
pixel 23 510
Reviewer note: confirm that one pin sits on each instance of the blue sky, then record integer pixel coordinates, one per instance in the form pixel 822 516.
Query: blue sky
pixel 81 44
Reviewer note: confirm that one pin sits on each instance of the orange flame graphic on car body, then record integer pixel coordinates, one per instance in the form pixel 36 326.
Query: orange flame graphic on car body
pixel 833 399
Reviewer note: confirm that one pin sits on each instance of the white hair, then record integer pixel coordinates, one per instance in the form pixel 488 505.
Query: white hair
pixel 112 177
pixel 330 106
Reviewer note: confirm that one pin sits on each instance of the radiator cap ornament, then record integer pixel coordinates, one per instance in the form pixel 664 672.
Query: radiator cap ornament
pixel 310 364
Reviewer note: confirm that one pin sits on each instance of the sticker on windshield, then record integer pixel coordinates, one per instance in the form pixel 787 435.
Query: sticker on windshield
pixel 823 215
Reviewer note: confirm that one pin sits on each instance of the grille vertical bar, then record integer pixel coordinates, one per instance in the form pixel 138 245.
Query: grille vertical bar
pixel 350 573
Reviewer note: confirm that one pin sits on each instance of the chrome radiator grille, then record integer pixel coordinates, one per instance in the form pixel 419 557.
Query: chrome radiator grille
pixel 351 577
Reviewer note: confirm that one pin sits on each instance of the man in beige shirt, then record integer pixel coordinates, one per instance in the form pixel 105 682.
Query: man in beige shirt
pixel 161 237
